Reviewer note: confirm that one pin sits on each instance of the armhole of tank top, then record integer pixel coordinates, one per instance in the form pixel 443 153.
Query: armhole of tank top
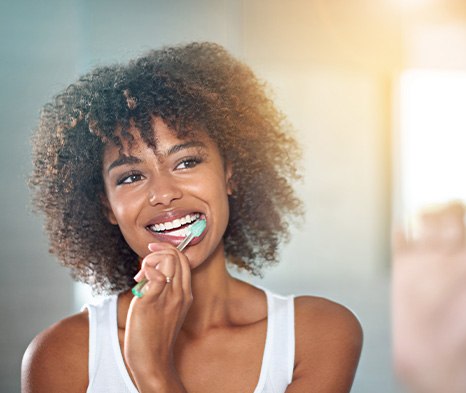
pixel 291 337
pixel 91 315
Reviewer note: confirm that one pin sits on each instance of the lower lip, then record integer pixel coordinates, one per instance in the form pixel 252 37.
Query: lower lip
pixel 176 240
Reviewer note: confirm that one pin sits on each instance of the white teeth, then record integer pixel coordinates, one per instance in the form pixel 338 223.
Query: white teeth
pixel 189 218
pixel 181 232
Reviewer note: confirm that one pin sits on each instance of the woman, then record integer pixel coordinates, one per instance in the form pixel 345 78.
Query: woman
pixel 124 160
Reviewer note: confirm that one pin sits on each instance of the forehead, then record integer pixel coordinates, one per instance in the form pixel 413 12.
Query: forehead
pixel 165 138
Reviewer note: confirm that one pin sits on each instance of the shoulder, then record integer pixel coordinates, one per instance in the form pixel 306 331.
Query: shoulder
pixel 328 342
pixel 326 316
pixel 56 359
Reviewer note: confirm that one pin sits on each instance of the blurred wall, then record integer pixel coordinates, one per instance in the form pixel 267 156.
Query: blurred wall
pixel 34 63
pixel 330 65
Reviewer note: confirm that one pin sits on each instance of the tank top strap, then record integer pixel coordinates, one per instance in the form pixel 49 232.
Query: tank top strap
pixel 282 320
pixel 107 371
pixel 279 352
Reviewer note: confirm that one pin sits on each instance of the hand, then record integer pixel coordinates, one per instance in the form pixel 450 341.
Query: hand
pixel 429 303
pixel 154 320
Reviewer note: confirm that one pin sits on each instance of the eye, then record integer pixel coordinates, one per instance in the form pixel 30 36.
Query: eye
pixel 189 162
pixel 129 178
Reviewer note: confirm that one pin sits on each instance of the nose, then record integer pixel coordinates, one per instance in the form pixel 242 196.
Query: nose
pixel 163 190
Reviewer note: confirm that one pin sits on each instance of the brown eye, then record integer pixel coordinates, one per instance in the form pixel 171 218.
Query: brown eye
pixel 190 162
pixel 129 179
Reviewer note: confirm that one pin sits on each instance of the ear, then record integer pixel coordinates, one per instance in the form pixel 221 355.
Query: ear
pixel 108 212
pixel 228 178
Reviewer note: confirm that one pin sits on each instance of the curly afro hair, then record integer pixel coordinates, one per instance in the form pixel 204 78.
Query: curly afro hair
pixel 198 86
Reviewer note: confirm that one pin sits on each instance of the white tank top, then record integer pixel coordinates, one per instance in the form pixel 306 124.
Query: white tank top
pixel 107 370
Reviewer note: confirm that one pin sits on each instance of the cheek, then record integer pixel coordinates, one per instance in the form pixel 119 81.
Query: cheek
pixel 220 200
pixel 214 190
pixel 122 210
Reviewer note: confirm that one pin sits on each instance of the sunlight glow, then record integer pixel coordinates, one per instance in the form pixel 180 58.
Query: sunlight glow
pixel 433 138
pixel 410 4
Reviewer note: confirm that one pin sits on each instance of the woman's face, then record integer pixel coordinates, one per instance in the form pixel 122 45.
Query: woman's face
pixel 155 196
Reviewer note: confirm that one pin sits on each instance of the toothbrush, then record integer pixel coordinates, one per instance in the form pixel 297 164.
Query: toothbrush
pixel 195 230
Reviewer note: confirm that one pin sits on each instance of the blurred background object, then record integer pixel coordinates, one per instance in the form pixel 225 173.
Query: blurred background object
pixel 347 74
pixel 429 302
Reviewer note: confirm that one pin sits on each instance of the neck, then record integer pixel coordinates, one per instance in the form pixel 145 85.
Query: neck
pixel 213 290
pixel 216 297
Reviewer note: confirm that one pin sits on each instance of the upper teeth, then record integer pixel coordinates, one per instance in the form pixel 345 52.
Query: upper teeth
pixel 188 219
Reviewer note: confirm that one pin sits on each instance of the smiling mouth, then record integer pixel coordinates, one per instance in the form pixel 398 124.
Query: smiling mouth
pixel 177 228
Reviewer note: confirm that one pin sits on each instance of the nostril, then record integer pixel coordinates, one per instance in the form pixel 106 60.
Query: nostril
pixel 163 190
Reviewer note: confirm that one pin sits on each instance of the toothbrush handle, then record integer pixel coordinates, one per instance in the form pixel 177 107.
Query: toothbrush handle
pixel 138 288
pixel 180 247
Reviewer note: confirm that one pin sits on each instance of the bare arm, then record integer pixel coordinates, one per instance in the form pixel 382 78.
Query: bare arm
pixel 56 360
pixel 328 346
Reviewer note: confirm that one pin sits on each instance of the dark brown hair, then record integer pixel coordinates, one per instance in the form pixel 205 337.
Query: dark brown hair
pixel 192 87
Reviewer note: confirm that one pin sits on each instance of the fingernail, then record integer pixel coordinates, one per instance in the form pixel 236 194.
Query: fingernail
pixel 138 276
pixel 153 246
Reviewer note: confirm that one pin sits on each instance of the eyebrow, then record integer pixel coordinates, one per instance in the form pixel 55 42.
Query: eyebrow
pixel 123 160
pixel 126 160
pixel 176 148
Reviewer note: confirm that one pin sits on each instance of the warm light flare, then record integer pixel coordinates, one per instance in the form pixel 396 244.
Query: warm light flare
pixel 433 138
pixel 412 4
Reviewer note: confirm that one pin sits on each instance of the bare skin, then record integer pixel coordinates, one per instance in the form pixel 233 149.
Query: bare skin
pixel 205 331
pixel 429 303
pixel 328 343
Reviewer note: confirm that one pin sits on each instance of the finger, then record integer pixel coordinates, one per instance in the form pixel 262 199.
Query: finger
pixel 154 247
pixel 155 284
pixel 181 279
pixel 164 248
pixel 158 247
pixel 139 275
pixel 176 276
pixel 163 261
pixel 167 267
pixel 153 259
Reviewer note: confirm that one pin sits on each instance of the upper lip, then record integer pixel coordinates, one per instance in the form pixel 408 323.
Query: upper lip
pixel 170 216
